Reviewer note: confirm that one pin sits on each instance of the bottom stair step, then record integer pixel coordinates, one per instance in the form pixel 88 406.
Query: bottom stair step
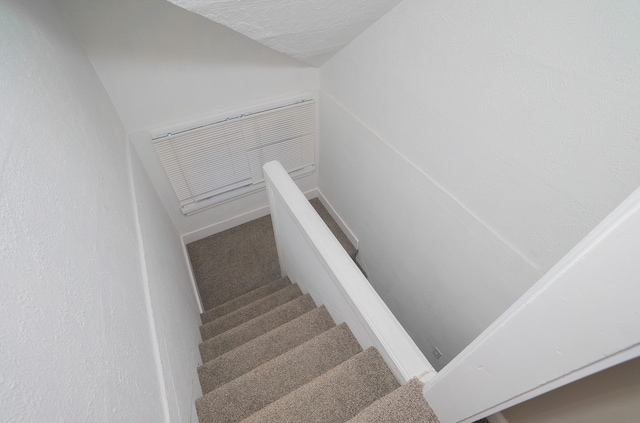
pixel 246 357
pixel 406 404
pixel 336 396
pixel 251 392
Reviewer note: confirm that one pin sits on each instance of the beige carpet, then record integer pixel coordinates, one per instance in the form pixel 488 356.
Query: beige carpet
pixel 270 355
pixel 241 259
pixel 234 262
pixel 290 363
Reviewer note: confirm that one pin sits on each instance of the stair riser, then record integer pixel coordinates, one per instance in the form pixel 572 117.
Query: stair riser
pixel 225 342
pixel 336 396
pixel 262 349
pixel 246 299
pixel 254 390
pixel 251 311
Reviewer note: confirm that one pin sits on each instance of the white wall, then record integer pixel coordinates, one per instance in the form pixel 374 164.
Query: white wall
pixel 471 145
pixel 163 65
pixel 581 317
pixel 174 307
pixel 311 256
pixel 76 337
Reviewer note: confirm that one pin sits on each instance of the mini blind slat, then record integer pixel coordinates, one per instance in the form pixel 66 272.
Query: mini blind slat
pixel 292 154
pixel 218 158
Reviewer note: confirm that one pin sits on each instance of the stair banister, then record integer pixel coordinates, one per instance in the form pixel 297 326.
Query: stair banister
pixel 311 256
pixel 583 316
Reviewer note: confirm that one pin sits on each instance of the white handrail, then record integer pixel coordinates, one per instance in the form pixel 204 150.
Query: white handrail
pixel 312 257
pixel 580 318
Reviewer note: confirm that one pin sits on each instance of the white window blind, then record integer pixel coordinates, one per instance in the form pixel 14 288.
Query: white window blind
pixel 217 158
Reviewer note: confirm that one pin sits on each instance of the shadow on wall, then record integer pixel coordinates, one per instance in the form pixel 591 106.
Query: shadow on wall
pixel 156 32
pixel 162 65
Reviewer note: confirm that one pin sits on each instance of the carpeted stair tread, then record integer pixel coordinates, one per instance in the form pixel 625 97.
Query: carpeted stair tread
pixel 246 357
pixel 225 342
pixel 336 396
pixel 248 312
pixel 406 404
pixel 256 389
pixel 243 300
pixel 233 262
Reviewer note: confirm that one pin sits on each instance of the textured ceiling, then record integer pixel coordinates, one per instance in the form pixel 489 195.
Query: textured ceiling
pixel 309 30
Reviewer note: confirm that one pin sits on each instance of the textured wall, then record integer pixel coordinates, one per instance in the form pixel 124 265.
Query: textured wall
pixel 522 118
pixel 75 336
pixel 311 31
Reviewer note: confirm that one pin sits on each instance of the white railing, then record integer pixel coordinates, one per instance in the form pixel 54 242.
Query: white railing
pixel 312 257
pixel 583 316
pixel 580 318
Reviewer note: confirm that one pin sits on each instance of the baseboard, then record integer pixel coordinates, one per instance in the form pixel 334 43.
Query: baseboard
pixel 347 231
pixel 224 225
pixel 234 221
pixel 194 285
pixel 497 418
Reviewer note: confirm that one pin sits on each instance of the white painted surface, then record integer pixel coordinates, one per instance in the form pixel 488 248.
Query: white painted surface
pixel 522 121
pixel 75 339
pixel 174 307
pixel 163 65
pixel 310 30
pixel 580 318
pixel 192 278
pixel 312 257
pixel 443 274
pixel 234 221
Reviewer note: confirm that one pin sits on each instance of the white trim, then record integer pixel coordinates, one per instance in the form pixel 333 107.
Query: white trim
pixel 341 223
pixel 223 225
pixel 275 221
pixel 497 418
pixel 234 221
pixel 212 117
pixel 192 278
pixel 162 382
pixel 580 318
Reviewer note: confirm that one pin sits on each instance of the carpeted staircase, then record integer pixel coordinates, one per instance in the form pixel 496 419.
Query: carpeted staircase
pixel 271 355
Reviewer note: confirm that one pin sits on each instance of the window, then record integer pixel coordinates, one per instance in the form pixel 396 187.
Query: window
pixel 226 157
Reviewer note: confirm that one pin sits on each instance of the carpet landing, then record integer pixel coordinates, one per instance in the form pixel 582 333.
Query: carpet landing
pixel 234 262
pixel 271 355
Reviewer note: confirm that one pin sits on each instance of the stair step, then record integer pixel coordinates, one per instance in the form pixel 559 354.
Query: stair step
pixel 335 396
pixel 243 300
pixel 248 312
pixel 246 357
pixel 405 404
pixel 225 342
pixel 252 391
